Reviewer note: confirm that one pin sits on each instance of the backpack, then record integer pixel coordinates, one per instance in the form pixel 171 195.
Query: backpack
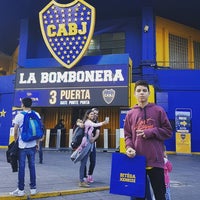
pixel 78 135
pixel 32 128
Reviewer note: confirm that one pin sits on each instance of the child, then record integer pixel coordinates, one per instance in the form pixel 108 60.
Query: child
pixel 167 170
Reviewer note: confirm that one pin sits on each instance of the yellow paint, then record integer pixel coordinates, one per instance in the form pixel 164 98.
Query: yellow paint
pixel 165 27
pixel 122 148
pixel 130 81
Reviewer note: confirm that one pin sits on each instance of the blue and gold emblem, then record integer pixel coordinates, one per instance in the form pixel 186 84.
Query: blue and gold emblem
pixel 67 30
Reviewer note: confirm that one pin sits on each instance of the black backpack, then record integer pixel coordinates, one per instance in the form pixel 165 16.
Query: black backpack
pixel 78 135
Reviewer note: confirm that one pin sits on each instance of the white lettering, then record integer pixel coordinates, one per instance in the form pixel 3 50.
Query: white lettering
pixel 99 74
pixel 71 76
pixel 31 79
pixel 73 102
pixel 44 77
pixel 63 102
pixel 74 94
pixel 52 77
pixel 85 102
pixel 79 76
pixel 118 75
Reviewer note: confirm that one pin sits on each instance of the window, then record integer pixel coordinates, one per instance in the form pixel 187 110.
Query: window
pixel 196 55
pixel 108 43
pixel 178 52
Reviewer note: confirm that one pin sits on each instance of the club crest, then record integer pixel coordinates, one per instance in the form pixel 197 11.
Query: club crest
pixel 108 95
pixel 67 30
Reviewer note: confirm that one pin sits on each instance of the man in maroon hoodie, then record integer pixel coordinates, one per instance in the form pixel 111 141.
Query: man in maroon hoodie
pixel 146 127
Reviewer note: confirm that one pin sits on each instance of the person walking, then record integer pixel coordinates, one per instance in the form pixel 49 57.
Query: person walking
pixel 92 156
pixel 26 150
pixel 146 127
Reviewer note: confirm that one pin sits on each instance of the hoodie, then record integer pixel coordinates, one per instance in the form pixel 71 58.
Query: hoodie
pixel 157 128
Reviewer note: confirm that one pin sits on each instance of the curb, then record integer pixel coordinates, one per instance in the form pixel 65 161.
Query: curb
pixel 54 193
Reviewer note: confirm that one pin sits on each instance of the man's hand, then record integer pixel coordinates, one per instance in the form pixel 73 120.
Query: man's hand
pixel 130 152
pixel 140 133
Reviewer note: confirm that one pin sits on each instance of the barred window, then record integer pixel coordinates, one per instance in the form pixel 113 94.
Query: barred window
pixel 108 43
pixel 178 52
pixel 196 46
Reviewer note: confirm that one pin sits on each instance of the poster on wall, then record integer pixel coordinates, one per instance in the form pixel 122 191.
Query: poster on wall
pixel 183 118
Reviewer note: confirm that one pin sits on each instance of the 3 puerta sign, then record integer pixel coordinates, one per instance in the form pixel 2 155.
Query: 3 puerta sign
pixel 103 85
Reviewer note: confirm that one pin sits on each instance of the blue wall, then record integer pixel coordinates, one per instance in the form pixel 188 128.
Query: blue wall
pixel 178 89
pixel 6 102
pixel 174 88
pixel 34 53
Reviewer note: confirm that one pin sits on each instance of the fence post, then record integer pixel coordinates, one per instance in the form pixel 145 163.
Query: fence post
pixel 47 138
pixel 105 132
pixel 58 137
pixel 70 137
pixel 117 138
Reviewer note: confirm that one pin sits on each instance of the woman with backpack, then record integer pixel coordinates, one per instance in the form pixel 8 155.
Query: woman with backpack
pixel 82 152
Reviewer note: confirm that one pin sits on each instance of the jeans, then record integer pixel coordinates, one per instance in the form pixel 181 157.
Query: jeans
pixel 168 193
pixel 92 158
pixel 30 154
pixel 82 167
pixel 40 152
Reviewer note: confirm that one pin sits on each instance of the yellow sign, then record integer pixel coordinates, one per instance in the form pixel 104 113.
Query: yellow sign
pixel 183 143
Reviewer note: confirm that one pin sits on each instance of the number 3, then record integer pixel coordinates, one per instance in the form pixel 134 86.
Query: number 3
pixel 53 98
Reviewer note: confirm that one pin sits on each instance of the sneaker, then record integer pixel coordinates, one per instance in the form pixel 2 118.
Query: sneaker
pixel 18 193
pixel 90 179
pixel 85 179
pixel 84 184
pixel 33 191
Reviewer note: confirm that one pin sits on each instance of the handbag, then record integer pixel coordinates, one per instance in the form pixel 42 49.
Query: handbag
pixel 128 175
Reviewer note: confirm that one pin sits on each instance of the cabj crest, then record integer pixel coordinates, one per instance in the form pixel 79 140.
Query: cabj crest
pixel 108 95
pixel 67 30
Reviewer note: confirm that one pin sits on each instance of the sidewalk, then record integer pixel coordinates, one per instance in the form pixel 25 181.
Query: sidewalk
pixel 57 178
